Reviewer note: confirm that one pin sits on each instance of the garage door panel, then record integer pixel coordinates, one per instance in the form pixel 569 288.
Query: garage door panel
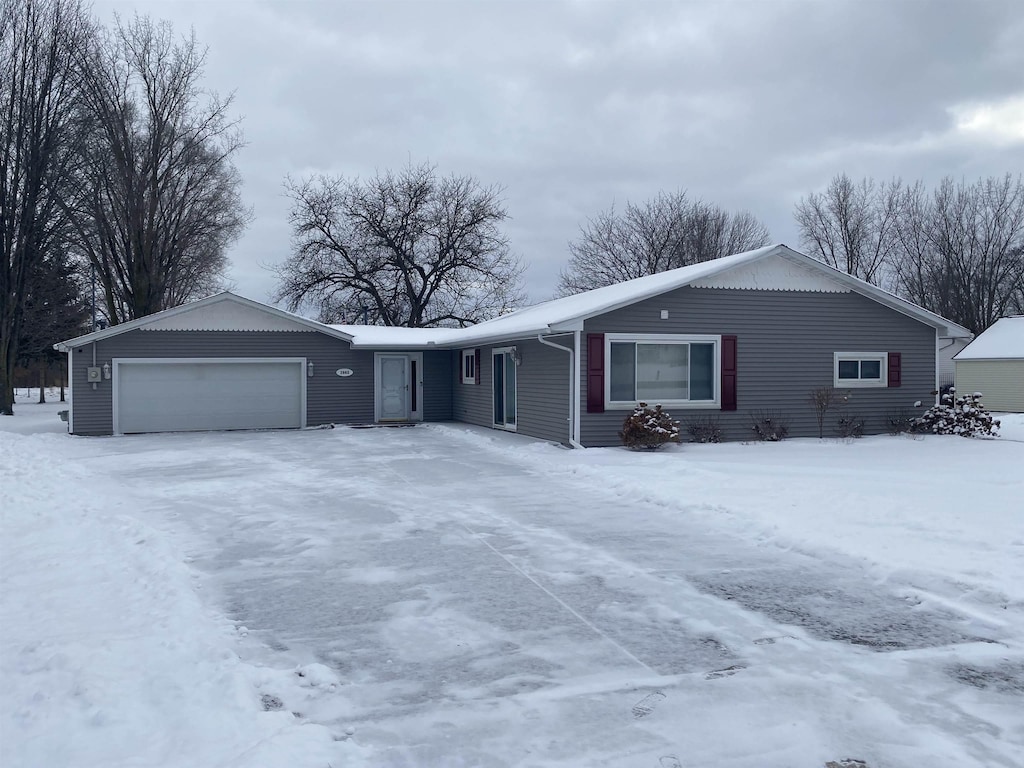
pixel 195 396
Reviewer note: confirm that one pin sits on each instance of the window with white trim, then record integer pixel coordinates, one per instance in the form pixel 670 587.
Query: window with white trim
pixel 860 369
pixel 666 369
pixel 469 366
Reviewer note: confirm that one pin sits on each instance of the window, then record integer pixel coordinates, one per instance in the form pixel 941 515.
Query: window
pixel 469 366
pixel 860 369
pixel 666 369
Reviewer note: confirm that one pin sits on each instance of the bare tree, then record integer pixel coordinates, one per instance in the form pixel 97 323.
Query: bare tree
pixel 852 227
pixel 38 43
pixel 666 232
pixel 404 249
pixel 155 201
pixel 962 249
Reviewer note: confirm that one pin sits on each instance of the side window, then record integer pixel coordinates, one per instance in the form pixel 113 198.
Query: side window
pixel 860 369
pixel 469 366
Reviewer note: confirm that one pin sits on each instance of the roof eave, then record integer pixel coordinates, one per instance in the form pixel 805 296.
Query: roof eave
pixel 142 322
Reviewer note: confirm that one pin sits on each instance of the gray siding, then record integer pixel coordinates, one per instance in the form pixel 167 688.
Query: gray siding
pixel 437 387
pixel 785 346
pixel 542 381
pixel 472 403
pixel 329 398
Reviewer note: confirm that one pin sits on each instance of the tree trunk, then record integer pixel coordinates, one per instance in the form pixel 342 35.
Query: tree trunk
pixel 60 372
pixel 42 383
pixel 6 376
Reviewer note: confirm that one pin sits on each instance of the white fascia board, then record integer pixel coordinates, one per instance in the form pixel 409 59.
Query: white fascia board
pixel 142 322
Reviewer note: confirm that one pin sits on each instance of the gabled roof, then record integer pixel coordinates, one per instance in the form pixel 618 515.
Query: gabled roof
pixel 170 318
pixel 1003 340
pixel 556 316
pixel 569 313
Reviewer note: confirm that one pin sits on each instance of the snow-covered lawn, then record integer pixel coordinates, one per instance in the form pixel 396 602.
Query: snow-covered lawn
pixel 445 596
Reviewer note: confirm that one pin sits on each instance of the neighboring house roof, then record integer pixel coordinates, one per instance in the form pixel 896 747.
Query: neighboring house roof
pixel 220 312
pixel 1002 341
pixel 568 314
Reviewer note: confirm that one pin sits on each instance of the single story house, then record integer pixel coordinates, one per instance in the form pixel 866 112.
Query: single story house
pixel 725 340
pixel 993 364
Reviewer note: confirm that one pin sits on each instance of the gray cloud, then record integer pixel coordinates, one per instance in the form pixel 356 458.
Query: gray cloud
pixel 573 106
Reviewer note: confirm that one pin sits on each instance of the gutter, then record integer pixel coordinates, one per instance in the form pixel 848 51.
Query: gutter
pixel 574 360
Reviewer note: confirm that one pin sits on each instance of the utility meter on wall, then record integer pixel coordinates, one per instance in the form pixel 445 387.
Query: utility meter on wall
pixel 93 374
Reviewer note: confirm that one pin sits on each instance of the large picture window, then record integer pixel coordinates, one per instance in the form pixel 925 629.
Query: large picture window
pixel 677 370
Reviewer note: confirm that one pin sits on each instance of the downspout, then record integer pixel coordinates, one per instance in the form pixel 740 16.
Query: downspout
pixel 574 360
pixel 577 375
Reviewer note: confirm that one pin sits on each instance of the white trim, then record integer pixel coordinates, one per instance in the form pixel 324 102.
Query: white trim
pixel 883 368
pixel 117 362
pixel 467 354
pixel 495 352
pixel 142 322
pixel 664 338
pixel 416 415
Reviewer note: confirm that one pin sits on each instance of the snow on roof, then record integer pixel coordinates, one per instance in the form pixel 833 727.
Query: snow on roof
pixel 547 316
pixel 395 336
pixel 1004 339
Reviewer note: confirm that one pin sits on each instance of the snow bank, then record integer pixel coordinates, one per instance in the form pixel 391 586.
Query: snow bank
pixel 107 656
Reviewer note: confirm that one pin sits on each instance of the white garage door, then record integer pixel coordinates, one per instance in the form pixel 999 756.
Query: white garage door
pixel 188 396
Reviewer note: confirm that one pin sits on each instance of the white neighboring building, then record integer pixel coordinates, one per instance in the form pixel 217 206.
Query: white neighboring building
pixel 948 349
pixel 993 364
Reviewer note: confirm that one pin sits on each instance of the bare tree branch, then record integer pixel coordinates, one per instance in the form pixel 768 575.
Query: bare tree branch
pixel 405 249
pixel 667 232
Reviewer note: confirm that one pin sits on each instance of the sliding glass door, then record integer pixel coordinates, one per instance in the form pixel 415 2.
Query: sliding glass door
pixel 503 382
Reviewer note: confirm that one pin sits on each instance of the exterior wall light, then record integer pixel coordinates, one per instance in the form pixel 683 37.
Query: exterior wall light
pixel 517 357
pixel 309 369
pixel 106 370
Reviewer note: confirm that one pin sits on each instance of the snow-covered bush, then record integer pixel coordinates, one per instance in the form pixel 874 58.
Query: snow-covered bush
pixel 647 429
pixel 769 426
pixel 965 416
pixel 704 429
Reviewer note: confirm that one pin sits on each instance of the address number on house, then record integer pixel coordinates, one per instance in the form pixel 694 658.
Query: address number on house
pixel 343 372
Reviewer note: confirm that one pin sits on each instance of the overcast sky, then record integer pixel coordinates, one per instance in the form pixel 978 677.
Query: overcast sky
pixel 574 106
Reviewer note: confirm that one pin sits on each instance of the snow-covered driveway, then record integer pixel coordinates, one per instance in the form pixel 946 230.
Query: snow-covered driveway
pixel 489 601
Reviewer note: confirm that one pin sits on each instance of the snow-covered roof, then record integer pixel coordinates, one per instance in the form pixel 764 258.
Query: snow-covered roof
pixel 222 311
pixel 555 316
pixel 1003 340
pixel 568 313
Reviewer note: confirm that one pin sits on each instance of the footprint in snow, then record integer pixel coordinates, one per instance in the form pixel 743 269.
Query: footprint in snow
pixel 646 705
pixel 727 672
pixel 670 761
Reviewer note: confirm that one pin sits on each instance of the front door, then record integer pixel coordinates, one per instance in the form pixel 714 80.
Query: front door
pixel 394 387
pixel 503 381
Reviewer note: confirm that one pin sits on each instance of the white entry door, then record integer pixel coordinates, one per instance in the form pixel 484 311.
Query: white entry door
pixel 393 391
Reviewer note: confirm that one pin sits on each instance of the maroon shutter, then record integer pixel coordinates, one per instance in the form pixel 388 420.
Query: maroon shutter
pixel 728 373
pixel 595 373
pixel 476 362
pixel 895 369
